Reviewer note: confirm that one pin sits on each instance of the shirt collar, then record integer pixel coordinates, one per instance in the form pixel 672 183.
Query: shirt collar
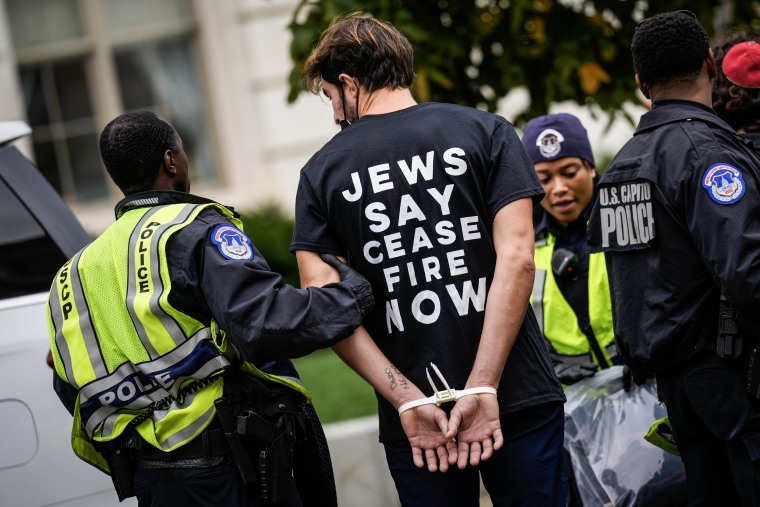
pixel 670 111
pixel 159 198
pixel 690 103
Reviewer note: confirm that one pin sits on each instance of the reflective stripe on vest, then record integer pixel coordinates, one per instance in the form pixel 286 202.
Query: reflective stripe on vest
pixel 159 333
pixel 135 360
pixel 148 363
pixel 555 316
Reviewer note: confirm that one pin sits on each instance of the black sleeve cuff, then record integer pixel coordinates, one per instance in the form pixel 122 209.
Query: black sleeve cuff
pixel 362 291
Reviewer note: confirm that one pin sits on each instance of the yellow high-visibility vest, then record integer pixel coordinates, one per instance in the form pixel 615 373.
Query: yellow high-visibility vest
pixel 135 360
pixel 555 316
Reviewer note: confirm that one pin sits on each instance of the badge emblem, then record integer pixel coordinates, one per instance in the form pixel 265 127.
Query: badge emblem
pixel 549 143
pixel 232 243
pixel 724 183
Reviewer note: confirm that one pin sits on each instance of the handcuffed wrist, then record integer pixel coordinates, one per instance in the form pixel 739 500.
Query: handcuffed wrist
pixel 444 395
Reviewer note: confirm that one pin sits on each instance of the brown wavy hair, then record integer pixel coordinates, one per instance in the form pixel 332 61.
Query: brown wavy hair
pixel 373 52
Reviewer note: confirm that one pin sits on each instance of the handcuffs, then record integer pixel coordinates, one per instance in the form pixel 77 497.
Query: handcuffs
pixel 445 395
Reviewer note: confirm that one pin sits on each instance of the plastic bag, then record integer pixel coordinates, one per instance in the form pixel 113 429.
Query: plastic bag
pixel 604 435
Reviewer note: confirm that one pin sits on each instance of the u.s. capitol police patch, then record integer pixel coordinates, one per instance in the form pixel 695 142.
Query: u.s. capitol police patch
pixel 549 142
pixel 232 243
pixel 724 183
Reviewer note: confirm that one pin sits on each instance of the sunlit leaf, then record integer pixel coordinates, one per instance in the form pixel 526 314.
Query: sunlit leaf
pixel 592 76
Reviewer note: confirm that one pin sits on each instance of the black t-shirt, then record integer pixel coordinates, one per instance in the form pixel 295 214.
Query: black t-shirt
pixel 409 197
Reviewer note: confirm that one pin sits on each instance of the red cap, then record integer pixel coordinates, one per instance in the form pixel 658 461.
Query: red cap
pixel 741 65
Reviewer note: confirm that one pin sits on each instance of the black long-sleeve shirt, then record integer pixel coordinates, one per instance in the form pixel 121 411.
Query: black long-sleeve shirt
pixel 268 321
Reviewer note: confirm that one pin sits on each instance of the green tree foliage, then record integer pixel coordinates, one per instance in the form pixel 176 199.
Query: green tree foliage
pixel 473 52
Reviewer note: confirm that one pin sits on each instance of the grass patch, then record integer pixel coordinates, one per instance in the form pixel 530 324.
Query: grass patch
pixel 338 393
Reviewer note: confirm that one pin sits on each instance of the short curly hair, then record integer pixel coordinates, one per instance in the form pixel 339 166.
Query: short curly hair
pixel 736 105
pixel 372 51
pixel 669 48
pixel 132 147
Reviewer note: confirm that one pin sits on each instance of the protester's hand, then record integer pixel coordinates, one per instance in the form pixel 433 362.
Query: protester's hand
pixel 358 284
pixel 571 373
pixel 425 427
pixel 475 422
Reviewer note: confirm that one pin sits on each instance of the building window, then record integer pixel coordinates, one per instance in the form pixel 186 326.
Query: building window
pixel 161 76
pixel 59 109
pixel 71 90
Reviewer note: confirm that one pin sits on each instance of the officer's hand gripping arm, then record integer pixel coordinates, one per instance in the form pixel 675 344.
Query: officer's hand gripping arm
pixel 355 281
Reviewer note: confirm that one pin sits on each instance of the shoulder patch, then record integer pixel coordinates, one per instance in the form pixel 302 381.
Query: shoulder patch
pixel 622 217
pixel 724 183
pixel 232 243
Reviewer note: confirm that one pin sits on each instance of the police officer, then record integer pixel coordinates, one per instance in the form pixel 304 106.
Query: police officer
pixel 172 337
pixel 676 215
pixel 571 295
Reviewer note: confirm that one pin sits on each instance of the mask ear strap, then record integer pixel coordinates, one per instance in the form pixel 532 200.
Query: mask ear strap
pixel 344 122
pixel 357 99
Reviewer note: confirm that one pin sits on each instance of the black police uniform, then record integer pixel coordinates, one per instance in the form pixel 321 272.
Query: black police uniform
pixel 269 323
pixel 755 138
pixel 677 215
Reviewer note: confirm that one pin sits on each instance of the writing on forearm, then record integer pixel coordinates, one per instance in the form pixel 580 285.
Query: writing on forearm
pixel 395 378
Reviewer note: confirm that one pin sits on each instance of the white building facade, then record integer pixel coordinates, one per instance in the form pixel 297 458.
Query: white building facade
pixel 217 69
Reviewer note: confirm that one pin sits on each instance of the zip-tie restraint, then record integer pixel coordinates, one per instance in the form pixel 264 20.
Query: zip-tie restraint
pixel 445 395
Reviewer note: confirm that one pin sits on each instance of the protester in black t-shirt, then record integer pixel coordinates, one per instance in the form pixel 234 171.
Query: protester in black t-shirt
pixel 432 203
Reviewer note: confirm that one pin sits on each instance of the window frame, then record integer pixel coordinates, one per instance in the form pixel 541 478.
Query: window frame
pixel 97 48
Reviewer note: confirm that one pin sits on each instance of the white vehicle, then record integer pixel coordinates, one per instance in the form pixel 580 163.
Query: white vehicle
pixel 38 233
